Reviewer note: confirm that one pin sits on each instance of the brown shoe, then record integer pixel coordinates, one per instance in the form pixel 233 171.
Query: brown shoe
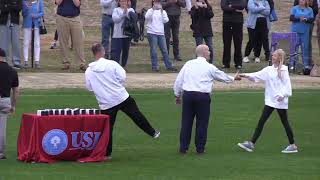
pixel 83 67
pixel 66 66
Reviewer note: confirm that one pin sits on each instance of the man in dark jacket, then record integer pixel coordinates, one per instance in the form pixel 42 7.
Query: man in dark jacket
pixel 201 15
pixel 232 28
pixel 10 30
pixel 313 4
pixel 173 9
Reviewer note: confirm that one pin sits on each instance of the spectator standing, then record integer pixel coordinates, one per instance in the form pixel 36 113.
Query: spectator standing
pixel 201 15
pixel 232 24
pixel 155 19
pixel 69 24
pixel 194 85
pixel 10 29
pixel 9 81
pixel 107 23
pixel 258 24
pixel 318 26
pixel 120 44
pixel 265 42
pixel 313 4
pixel 32 12
pixel 173 9
pixel 302 17
pixel 106 78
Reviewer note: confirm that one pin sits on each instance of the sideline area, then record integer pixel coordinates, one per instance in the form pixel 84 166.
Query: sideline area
pixel 146 81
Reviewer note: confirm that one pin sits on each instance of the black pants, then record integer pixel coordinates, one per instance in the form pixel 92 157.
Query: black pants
pixel 232 30
pixel 173 27
pixel 261 33
pixel 263 119
pixel 130 108
pixel 195 104
pixel 249 46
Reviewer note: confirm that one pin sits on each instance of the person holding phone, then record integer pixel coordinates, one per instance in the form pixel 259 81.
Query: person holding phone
pixel 201 15
pixel 156 17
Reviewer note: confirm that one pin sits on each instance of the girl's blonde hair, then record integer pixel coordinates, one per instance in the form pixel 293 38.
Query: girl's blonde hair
pixel 281 56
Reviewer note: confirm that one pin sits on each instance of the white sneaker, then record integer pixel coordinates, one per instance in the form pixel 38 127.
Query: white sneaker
pixel 292 148
pixel 247 145
pixel 257 60
pixel 156 134
pixel 246 59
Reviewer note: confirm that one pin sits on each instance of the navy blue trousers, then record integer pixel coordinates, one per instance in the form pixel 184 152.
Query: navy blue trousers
pixel 194 104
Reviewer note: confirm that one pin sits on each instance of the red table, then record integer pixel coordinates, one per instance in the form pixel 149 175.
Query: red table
pixel 83 138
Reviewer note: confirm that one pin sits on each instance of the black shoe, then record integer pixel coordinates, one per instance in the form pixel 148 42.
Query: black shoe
pixel 178 58
pixel 3 158
pixel 306 71
pixel 172 69
pixel 225 67
pixel 17 66
pixel 238 67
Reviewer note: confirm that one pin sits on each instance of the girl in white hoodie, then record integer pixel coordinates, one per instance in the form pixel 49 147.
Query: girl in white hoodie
pixel 277 92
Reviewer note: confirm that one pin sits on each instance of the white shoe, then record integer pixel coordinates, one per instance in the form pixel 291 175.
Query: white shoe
pixel 247 145
pixel 292 148
pixel 156 134
pixel 246 59
pixel 257 60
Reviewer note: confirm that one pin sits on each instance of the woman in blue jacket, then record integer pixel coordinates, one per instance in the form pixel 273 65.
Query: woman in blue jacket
pixel 302 17
pixel 32 12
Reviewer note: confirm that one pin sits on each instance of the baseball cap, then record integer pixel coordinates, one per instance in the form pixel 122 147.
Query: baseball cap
pixel 2 53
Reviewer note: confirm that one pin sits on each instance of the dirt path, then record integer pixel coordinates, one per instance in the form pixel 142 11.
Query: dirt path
pixel 144 81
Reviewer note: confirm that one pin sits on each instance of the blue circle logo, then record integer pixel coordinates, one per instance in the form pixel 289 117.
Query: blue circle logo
pixel 55 142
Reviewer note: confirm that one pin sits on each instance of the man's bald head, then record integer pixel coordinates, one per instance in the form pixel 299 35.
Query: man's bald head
pixel 203 51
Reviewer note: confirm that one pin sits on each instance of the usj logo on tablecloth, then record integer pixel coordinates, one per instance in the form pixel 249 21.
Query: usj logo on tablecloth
pixel 54 142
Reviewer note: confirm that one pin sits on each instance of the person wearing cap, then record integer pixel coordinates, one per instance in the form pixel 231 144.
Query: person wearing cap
pixel 9 81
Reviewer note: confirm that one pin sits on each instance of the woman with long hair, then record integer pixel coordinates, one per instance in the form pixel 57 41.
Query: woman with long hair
pixel 277 91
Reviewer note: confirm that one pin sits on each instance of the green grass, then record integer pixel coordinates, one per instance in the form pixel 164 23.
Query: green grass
pixel 137 156
pixel 139 56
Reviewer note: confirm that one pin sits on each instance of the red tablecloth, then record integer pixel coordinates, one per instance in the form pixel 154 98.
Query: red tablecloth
pixel 83 138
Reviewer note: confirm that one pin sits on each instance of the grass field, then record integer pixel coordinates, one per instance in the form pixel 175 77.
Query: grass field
pixel 137 156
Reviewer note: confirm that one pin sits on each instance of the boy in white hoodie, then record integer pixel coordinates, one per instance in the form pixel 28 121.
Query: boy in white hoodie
pixel 106 78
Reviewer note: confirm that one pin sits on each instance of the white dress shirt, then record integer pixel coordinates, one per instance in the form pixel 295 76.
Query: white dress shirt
pixel 106 79
pixel 274 86
pixel 198 75
pixel 155 20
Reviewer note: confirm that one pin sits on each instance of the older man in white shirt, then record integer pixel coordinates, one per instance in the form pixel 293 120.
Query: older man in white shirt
pixel 194 83
pixel 105 78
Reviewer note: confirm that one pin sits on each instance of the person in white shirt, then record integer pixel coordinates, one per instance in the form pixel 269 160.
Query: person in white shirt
pixel 106 78
pixel 156 17
pixel 194 84
pixel 277 91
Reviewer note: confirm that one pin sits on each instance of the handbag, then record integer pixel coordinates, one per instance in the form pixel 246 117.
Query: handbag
pixel 42 27
pixel 273 15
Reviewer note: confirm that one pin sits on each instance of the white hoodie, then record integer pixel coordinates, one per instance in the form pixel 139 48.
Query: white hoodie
pixel 274 86
pixel 106 79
